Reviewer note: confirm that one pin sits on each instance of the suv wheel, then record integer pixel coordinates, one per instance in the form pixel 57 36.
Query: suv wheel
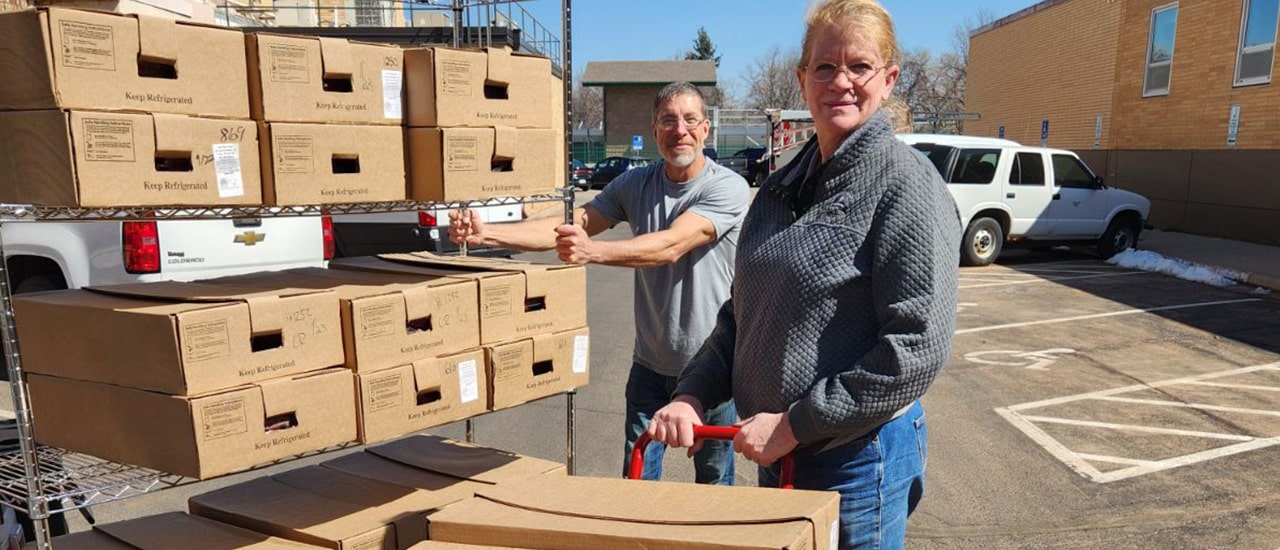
pixel 982 243
pixel 1121 235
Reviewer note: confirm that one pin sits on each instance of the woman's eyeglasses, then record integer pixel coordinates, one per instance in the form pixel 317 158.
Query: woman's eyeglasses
pixel 858 73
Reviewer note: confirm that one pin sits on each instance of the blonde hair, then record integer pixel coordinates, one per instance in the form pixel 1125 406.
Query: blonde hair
pixel 864 16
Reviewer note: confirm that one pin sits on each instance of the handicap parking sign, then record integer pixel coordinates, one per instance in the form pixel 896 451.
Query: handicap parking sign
pixel 637 142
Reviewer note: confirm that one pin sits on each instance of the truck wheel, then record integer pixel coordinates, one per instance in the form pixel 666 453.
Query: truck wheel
pixel 1121 235
pixel 757 179
pixel 982 242
pixel 41 282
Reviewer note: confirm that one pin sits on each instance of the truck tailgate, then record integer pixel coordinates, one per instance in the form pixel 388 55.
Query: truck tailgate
pixel 197 249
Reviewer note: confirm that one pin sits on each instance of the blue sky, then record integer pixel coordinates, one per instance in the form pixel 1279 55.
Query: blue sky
pixel 742 30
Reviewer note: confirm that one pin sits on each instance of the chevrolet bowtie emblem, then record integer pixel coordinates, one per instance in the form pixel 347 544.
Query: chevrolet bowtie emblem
pixel 250 238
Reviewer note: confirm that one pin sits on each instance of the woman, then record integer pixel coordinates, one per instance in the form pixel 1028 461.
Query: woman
pixel 843 306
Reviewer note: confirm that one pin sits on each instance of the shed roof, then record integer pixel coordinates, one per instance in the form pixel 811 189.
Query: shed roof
pixel 649 73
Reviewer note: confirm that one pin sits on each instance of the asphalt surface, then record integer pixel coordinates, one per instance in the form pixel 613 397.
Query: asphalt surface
pixel 1084 406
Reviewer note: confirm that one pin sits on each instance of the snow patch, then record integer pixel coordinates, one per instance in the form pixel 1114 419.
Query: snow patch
pixel 1146 260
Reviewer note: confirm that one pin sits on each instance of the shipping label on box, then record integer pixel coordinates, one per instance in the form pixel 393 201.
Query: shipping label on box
pixel 179 338
pixel 100 159
pixel 198 436
pixel 454 164
pixel 307 164
pixel 477 89
pixel 587 512
pixel 311 79
pixel 421 395
pixel 56 58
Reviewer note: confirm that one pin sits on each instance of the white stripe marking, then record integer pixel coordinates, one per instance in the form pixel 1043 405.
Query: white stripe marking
pixel 1139 429
pixel 1117 460
pixel 1234 386
pixel 1102 315
pixel 1196 406
pixel 1046 280
pixel 1141 387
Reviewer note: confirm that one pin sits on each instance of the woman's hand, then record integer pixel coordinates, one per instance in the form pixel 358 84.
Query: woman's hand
pixel 673 424
pixel 764 438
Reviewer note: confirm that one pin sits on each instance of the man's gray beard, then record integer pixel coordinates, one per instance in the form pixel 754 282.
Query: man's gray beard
pixel 683 161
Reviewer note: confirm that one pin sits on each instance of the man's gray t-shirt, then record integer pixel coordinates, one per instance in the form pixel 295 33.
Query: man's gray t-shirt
pixel 676 304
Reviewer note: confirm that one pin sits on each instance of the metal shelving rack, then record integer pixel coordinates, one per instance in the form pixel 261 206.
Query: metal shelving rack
pixel 33 476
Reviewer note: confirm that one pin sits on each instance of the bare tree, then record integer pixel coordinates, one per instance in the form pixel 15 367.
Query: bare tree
pixel 588 105
pixel 771 80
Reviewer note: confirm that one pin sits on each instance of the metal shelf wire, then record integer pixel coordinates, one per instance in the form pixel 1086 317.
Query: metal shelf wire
pixel 27 212
pixel 80 481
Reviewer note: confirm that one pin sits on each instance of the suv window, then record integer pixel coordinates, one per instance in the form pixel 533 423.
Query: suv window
pixel 975 166
pixel 1028 169
pixel 1068 171
pixel 937 154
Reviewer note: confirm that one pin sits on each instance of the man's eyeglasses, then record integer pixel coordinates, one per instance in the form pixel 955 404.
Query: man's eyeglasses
pixel 670 123
pixel 858 73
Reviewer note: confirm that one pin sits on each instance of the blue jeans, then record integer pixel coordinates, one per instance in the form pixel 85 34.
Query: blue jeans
pixel 880 478
pixel 648 391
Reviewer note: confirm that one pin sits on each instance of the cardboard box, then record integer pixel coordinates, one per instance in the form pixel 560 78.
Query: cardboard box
pixel 532 368
pixel 183 10
pixel 178 338
pixel 449 88
pixel 576 513
pixel 433 545
pixel 388 320
pixel 331 509
pixel 55 58
pixel 454 458
pixel 318 79
pixel 420 395
pixel 517 299
pixel 458 164
pixel 82 158
pixel 199 436
pixel 172 530
pixel 331 163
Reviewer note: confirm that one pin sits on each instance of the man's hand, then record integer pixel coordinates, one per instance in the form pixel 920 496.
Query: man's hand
pixel 673 424
pixel 466 226
pixel 764 438
pixel 574 246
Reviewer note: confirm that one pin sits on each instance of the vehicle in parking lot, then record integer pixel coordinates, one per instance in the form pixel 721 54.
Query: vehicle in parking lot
pixel 611 167
pixel 750 163
pixel 1008 193
pixel 579 174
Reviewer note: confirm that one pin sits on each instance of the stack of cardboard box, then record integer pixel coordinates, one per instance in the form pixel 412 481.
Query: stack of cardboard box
pixel 193 379
pixel 533 319
pixel 123 110
pixel 329 111
pixel 482 124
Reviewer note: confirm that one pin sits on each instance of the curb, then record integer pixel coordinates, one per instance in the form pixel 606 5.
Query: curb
pixel 1265 281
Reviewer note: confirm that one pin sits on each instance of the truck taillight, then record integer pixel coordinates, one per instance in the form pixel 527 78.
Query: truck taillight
pixel 426 219
pixel 326 230
pixel 141 243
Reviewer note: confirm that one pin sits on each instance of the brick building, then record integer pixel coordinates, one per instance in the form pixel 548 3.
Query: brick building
pixel 629 90
pixel 1172 99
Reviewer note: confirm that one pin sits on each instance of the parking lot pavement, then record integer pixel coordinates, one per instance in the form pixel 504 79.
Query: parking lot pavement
pixel 1087 405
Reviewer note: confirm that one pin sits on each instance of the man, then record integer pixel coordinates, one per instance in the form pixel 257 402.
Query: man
pixel 685 214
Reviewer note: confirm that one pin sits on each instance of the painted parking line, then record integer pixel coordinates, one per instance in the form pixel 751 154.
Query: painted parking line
pixel 1107 314
pixel 1034 279
pixel 1020 416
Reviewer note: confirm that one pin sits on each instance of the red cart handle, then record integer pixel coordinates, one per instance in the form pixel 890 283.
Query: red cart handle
pixel 727 433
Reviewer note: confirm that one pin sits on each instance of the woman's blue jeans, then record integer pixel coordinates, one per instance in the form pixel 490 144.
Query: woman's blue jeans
pixel 648 391
pixel 880 478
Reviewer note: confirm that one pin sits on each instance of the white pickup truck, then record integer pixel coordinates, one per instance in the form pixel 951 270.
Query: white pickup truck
pixel 1008 193
pixel 49 255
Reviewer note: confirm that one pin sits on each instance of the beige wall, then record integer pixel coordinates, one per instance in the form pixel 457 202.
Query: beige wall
pixel 1057 64
pixel 628 111
pixel 1194 115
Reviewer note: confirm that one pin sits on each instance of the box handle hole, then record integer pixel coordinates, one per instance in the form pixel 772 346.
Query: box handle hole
pixel 279 422
pixel 500 166
pixel 346 164
pixel 495 91
pixel 173 163
pixel 537 303
pixel 157 69
pixel 338 85
pixel 418 325
pixel 262 342
pixel 429 396
pixel 541 367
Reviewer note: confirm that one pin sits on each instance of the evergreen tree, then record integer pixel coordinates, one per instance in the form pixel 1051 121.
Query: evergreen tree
pixel 703 49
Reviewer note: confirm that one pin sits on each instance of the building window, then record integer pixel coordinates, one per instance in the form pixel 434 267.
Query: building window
pixel 1257 42
pixel 1164 25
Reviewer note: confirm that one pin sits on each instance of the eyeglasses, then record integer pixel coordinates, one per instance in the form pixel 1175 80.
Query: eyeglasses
pixel 858 73
pixel 670 123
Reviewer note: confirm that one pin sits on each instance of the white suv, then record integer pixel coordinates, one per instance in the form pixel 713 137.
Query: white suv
pixel 1010 193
